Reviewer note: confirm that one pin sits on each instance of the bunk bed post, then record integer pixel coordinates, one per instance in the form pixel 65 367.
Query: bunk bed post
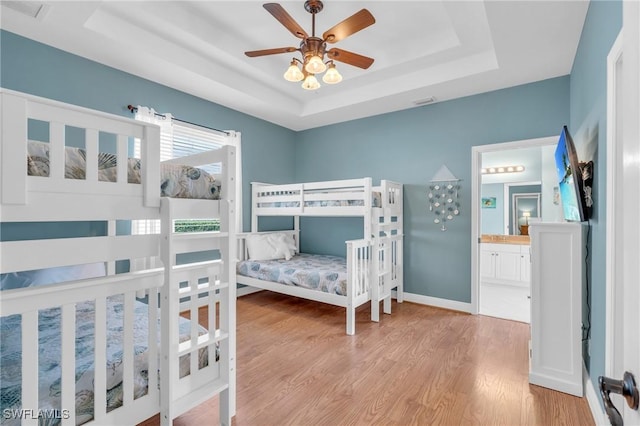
pixel 254 204
pixel 13 170
pixel 367 208
pixel 151 165
pixel 350 307
pixel 399 244
pixel 228 295
pixel 296 227
pixel 168 315
pixel 399 271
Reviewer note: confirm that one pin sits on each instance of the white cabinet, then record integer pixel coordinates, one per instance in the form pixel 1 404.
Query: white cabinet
pixel 504 263
pixel 525 264
pixel 504 281
pixel 557 273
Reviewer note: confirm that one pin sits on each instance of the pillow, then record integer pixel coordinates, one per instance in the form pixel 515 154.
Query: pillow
pixel 284 244
pixel 270 246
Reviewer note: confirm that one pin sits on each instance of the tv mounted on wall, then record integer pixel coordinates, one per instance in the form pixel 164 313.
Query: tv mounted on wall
pixel 574 180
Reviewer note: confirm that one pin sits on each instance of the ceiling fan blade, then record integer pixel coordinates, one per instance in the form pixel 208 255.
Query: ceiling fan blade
pixel 285 19
pixel 254 53
pixel 350 58
pixel 351 25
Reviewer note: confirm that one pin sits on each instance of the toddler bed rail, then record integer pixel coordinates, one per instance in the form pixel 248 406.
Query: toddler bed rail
pixel 112 367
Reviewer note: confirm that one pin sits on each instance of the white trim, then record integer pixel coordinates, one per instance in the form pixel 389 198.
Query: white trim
pixel 507 205
pixel 613 177
pixel 476 190
pixel 593 399
pixel 436 302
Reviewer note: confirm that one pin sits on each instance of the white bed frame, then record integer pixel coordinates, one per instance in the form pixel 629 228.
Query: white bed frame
pixel 374 263
pixel 43 199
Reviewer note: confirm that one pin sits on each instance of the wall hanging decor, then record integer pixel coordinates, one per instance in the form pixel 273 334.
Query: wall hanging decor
pixel 444 197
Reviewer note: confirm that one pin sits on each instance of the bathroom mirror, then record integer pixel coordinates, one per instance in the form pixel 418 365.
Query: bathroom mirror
pixel 524 207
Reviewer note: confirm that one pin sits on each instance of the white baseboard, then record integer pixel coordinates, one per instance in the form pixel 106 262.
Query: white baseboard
pixel 435 301
pixel 599 416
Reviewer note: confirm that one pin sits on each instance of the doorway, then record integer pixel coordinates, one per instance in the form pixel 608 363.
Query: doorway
pixel 476 201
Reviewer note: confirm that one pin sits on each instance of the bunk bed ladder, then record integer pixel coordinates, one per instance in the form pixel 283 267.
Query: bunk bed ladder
pixel 187 288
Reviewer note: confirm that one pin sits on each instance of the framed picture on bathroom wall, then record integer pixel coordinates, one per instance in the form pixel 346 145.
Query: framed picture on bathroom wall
pixel 488 202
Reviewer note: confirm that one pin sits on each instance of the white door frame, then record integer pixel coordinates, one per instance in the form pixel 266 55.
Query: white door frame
pixel 613 274
pixel 510 203
pixel 476 190
pixel 622 350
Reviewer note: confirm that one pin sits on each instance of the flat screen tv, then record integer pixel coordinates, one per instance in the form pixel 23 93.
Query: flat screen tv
pixel 575 196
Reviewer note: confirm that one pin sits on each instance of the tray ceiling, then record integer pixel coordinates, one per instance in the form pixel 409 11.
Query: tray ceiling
pixel 422 49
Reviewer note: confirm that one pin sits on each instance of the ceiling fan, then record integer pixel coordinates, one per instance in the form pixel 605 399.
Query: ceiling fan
pixel 313 49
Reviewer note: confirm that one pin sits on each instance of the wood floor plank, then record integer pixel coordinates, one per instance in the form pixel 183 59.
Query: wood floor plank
pixel 418 366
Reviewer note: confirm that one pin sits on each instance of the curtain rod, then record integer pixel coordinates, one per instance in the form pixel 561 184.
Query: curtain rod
pixel 135 109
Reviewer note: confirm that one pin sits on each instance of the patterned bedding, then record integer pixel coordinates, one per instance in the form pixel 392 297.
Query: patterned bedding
pixel 175 180
pixel 376 201
pixel 318 272
pixel 49 359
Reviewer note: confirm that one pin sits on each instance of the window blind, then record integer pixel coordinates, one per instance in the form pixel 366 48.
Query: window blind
pixel 178 139
pixel 187 140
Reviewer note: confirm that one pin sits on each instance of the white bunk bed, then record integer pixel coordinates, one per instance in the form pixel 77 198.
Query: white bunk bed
pixel 373 263
pixel 147 359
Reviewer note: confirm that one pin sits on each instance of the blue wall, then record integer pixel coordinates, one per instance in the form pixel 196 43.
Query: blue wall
pixel 35 68
pixel 406 146
pixel 410 146
pixel 588 124
pixel 492 219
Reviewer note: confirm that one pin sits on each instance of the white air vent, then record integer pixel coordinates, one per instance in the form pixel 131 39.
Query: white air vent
pixel 33 9
pixel 425 101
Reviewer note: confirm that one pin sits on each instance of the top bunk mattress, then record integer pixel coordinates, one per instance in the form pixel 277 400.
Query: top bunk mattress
pixel 376 201
pixel 176 181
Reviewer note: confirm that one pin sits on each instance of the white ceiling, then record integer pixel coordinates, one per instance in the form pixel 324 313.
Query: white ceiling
pixel 442 49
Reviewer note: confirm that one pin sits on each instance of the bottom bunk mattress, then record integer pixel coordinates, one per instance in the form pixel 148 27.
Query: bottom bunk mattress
pixel 313 271
pixel 49 359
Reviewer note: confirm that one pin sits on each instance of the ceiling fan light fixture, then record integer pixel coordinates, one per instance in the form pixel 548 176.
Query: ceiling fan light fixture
pixel 332 76
pixel 310 83
pixel 313 49
pixel 293 73
pixel 315 65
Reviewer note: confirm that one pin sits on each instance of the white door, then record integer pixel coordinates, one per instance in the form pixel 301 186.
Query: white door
pixel 631 201
pixel 623 339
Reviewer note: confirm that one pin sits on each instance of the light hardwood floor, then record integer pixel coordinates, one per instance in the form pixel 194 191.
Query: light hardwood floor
pixel 420 365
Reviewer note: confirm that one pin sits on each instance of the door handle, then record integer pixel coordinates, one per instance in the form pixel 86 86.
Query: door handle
pixel 625 387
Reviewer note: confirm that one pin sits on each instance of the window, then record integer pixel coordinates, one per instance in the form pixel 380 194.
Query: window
pixel 178 139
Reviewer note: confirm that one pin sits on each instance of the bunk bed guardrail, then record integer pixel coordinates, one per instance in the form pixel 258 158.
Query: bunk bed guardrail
pixel 182 368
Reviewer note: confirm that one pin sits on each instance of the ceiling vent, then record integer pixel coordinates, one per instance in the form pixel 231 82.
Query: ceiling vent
pixel 32 9
pixel 425 101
